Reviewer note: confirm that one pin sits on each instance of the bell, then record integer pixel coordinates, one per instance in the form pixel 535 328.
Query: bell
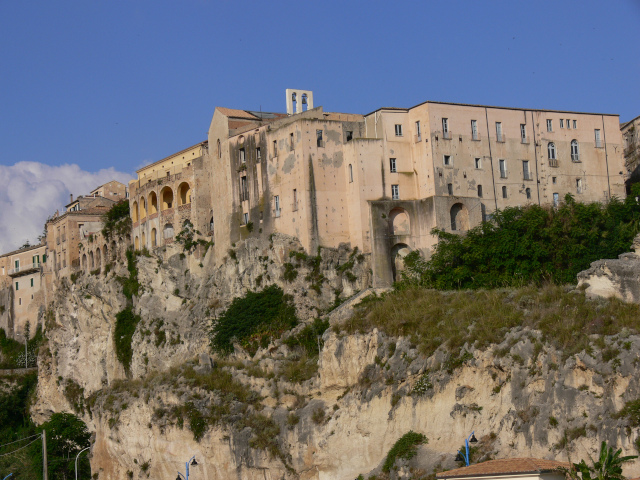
pixel 194 463
pixel 473 439
pixel 459 458
pixel 304 99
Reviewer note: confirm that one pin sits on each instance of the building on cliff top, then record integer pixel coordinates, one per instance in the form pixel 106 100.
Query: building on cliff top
pixel 631 138
pixel 380 182
pixel 510 469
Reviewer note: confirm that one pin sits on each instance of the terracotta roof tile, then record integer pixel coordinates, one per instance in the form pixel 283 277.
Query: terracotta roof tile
pixel 232 112
pixel 505 466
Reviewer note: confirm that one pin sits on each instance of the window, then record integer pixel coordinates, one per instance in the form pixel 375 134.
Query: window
pixel 575 154
pixel 527 192
pixel 20 301
pixel 523 132
pixel 480 191
pixel 503 168
pixel 291 141
pixel 244 190
pixel 349 135
pixel 578 185
pixel 392 165
pixel 499 136
pixel 258 154
pixel 445 128
pixel 32 282
pixel 575 124
pixel 556 199
pixel 418 133
pixel 504 191
pixel 549 125
pixel 395 192
pixel 219 150
pixel 398 128
pixel 446 159
pixel 526 174
pixel 598 139
pixel 242 157
pixel 350 173
pixel 551 151
pixel 450 188
pixel 319 140
pixel 245 218
pixel 17 286
pixel 478 162
pixel 568 123
pixel 554 180
pixel 474 130
pixel 275 148
pixel 276 202
pixel 295 199
pixel 561 123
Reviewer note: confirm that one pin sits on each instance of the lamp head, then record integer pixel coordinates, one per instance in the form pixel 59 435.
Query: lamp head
pixel 194 463
pixel 459 457
pixel 178 478
pixel 473 439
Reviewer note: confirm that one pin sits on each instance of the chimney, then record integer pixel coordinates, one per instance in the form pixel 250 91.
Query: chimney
pixel 70 197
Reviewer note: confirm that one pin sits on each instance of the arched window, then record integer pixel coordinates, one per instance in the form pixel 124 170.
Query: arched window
pixel 168 231
pixel 551 150
pixel 305 103
pixel 153 203
pixel 136 243
pixel 184 194
pixel 575 154
pixel 211 226
pixel 134 212
pixel 143 208
pixel 167 198
pixel 527 191
pixel 154 239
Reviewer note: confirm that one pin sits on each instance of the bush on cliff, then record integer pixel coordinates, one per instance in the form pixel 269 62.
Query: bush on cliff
pixel 126 323
pixel 117 220
pixel 254 320
pixel 532 244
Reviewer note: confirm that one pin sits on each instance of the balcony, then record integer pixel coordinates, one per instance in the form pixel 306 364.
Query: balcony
pixel 278 212
pixel 553 162
pixel 25 269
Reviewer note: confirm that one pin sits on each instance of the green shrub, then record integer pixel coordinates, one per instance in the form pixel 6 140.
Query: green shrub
pixel 126 323
pixel 631 411
pixel 254 320
pixel 531 244
pixel 318 416
pixel 309 338
pixel 117 220
pixel 406 447
pixel 290 273
pixel 130 285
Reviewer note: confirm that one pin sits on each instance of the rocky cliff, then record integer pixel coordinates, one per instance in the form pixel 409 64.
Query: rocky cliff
pixel 286 413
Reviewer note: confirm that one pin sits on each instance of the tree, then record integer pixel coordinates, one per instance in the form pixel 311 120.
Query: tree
pixel 608 466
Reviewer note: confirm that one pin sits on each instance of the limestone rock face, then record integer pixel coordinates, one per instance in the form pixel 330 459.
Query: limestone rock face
pixel 334 423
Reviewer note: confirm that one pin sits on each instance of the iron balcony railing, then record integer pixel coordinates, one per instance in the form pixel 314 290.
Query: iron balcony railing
pixel 23 269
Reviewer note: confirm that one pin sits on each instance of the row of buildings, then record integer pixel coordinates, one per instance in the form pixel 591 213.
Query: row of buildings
pixel 380 182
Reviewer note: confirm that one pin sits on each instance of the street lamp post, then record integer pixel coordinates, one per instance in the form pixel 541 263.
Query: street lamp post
pixel 5 478
pixel 77 460
pixel 462 457
pixel 193 463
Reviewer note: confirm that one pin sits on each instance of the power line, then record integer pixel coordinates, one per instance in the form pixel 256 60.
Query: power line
pixel 21 440
pixel 21 448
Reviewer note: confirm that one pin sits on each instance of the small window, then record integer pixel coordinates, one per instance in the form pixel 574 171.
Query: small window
pixel 258 154
pixel 549 125
pixel 478 162
pixel 291 141
pixel 295 196
pixel 445 125
pixel 523 131
pixel 20 301
pixel 474 130
pixel 480 191
pixel 556 199
pixel 561 123
pixel 395 192
pixel 242 157
pixel 578 185
pixel 319 140
pixel 275 148
pixel 598 139
pixel 554 180
pixel 17 286
pixel 527 192
pixel 418 132
pixel 446 159
pixel 499 136
pixel 16 263
pixel 350 173
pixel 392 165
pixel 504 191
pixel 503 168
pixel 526 174
pixel 398 128
pixel 219 150
pixel 245 218
pixel 450 188
pixel 349 135
pixel 575 154
pixel 276 203
pixel 575 124
pixel 568 123
pixel 32 282
pixel 551 151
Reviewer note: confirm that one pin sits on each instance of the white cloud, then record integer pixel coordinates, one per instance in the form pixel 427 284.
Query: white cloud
pixel 30 192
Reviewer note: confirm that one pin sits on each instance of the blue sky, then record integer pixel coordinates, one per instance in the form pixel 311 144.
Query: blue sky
pixel 123 83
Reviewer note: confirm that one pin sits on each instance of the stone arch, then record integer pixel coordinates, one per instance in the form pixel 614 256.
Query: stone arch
pixel 91 262
pixel 166 198
pixel 143 243
pixel 154 237
pixel 136 244
pixel 153 203
pixel 98 258
pixel 399 222
pixel 134 212
pixel 143 208
pixel 398 252
pixel 84 262
pixel 459 217
pixel 184 193
pixel 168 231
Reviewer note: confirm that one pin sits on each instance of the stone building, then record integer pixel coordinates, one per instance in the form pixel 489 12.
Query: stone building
pixel 631 138
pixel 22 292
pixel 168 192
pixel 384 180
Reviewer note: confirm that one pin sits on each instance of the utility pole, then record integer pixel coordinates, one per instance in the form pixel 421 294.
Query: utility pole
pixel 45 473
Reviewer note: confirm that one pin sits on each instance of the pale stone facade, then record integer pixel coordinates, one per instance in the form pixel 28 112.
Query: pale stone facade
pixel 631 138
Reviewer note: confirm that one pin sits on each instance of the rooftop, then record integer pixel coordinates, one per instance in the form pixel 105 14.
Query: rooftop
pixel 22 250
pixel 504 467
